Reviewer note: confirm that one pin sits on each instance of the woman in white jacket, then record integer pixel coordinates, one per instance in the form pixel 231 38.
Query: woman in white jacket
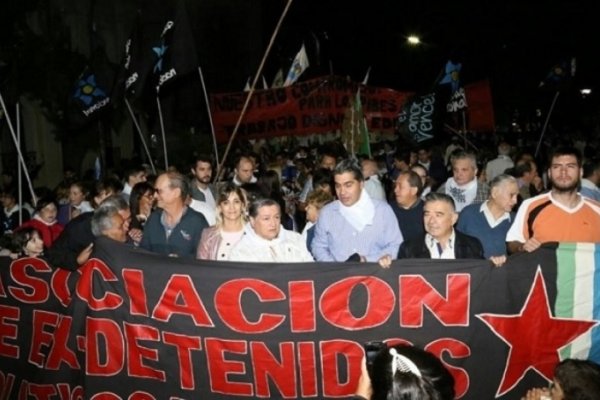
pixel 265 240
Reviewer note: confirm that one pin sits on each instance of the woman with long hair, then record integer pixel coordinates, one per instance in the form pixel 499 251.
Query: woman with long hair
pixel 141 203
pixel 217 241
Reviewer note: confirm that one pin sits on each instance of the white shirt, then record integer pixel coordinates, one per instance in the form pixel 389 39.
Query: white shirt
pixel 435 248
pixel 203 208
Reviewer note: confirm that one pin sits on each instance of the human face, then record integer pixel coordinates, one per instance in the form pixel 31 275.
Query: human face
pixel 267 222
pixel 231 209
pixel 423 156
pixel 137 178
pixel 146 203
pixel 406 195
pixel 244 170
pixel 312 213
pixel 564 173
pixel 76 196
pixel 35 246
pixel 202 172
pixel 48 213
pixel 126 216
pixel 369 168
pixel 505 195
pixel 119 228
pixel 328 162
pixel 463 171
pixel 165 195
pixel 422 174
pixel 439 218
pixel 347 188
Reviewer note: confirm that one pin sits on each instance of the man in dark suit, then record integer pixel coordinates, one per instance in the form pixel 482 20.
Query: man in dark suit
pixel 441 240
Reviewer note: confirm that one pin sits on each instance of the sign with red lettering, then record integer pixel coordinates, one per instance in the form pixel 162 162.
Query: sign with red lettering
pixel 133 325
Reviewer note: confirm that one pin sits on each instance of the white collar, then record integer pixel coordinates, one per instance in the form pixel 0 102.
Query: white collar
pixel 492 222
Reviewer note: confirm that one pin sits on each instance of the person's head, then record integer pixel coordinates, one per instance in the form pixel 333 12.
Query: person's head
pixel 244 169
pixel 78 192
pixel 141 199
pixel 269 183
pixel 323 180
pixel 424 154
pixel 369 168
pixel 265 218
pixel 108 222
pixel 503 149
pixel 47 208
pixel 8 198
pixel 404 372
pixel 28 242
pixel 464 167
pixel 316 200
pixel 327 160
pixel 408 187
pixel 402 160
pixel 422 172
pixel 120 204
pixel 525 170
pixel 349 182
pixel 565 170
pixel 591 170
pixel 202 169
pixel 576 380
pixel 504 190
pixel 135 174
pixel 439 215
pixel 231 204
pixel 106 187
pixel 171 190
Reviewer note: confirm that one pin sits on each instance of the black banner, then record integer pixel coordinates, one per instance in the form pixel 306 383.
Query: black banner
pixel 132 325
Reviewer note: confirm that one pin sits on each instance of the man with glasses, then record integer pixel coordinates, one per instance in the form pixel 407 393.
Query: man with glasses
pixel 562 214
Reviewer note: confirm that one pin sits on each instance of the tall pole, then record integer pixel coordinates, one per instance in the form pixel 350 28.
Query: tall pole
pixel 251 91
pixel 162 131
pixel 19 180
pixel 537 149
pixel 139 131
pixel 212 127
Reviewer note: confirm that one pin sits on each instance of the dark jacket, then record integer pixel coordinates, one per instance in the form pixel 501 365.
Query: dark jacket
pixel 465 246
pixel 76 236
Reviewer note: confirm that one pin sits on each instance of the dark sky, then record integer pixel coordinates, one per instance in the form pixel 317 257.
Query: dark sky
pixel 512 43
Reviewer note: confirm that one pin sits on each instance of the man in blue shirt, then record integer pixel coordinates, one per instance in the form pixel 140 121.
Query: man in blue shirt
pixel 355 226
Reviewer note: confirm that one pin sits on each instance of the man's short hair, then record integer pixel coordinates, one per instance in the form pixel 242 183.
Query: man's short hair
pixel 205 158
pixel 464 155
pixel 435 196
pixel 239 159
pixel 132 170
pixel 114 201
pixel 102 220
pixel 500 180
pixel 402 155
pixel 349 165
pixel 110 185
pixel 566 151
pixel 413 179
pixel 590 166
pixel 256 204
pixel 521 169
pixel 179 181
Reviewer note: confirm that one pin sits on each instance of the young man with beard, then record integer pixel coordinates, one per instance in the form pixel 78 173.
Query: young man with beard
pixel 562 214
pixel 202 189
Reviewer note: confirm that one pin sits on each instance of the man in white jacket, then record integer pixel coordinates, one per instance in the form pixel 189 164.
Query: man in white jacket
pixel 265 240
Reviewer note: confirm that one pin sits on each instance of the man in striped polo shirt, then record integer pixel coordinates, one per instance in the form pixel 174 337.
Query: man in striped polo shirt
pixel 560 215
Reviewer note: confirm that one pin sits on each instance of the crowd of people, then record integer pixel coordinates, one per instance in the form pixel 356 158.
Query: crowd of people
pixel 317 203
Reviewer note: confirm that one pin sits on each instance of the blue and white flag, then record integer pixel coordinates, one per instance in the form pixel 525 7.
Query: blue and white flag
pixel 299 65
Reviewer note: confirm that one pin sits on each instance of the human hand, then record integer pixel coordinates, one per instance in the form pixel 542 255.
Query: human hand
pixel 498 261
pixel 84 255
pixel 385 261
pixel 531 245
pixel 364 388
pixel 135 235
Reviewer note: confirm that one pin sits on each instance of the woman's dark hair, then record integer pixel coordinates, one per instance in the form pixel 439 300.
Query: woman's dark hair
pixel 21 237
pixel 44 201
pixel 138 190
pixel 578 379
pixel 435 382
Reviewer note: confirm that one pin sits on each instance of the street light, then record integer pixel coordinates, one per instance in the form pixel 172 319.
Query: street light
pixel 413 40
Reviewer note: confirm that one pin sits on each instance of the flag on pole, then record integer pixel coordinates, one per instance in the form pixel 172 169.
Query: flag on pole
pixel 175 52
pixel 560 74
pixel 355 132
pixel 265 85
pixel 278 80
pixel 247 85
pixel 137 64
pixel 299 65
pixel 366 78
pixel 452 75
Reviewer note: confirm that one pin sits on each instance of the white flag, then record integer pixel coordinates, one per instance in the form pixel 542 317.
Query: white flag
pixel 298 67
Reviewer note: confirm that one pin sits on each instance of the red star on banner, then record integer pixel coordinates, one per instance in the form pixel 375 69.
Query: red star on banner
pixel 534 336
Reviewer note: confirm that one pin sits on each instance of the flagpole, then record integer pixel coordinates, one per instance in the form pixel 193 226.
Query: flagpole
pixel 537 149
pixel 139 130
pixel 162 130
pixel 249 96
pixel 212 127
pixel 456 132
pixel 19 153
pixel 19 179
